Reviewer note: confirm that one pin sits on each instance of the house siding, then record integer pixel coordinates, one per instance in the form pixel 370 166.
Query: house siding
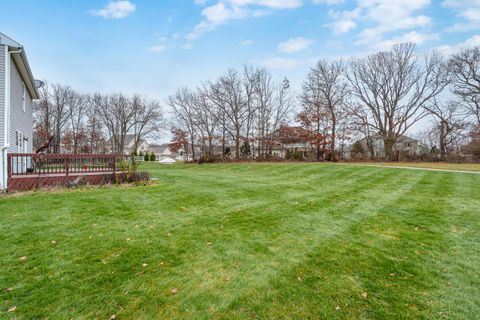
pixel 3 165
pixel 2 95
pixel 21 121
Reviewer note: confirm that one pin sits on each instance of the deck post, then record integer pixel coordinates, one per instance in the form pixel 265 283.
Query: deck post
pixel 66 165
pixel 114 167
pixel 9 165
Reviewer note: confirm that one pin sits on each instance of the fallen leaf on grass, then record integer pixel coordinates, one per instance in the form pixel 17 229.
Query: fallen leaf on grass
pixel 174 291
pixel 9 289
pixel 12 309
pixel 392 274
pixel 113 317
pixel 364 295
pixel 144 265
pixel 54 242
pixel 24 258
pixel 337 308
pixel 209 244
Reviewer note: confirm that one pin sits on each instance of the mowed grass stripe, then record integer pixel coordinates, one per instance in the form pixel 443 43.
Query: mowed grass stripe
pixel 247 241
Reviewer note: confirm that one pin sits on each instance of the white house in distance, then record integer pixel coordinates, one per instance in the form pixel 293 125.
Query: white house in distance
pixel 17 90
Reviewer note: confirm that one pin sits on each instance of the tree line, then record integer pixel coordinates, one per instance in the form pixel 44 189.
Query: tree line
pixel 72 122
pixel 245 112
pixel 383 94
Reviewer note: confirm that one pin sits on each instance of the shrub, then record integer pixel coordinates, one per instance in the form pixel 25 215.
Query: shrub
pixel 245 149
pixel 357 152
pixel 136 177
pixel 152 156
pixel 146 156
pixel 298 155
pixel 129 169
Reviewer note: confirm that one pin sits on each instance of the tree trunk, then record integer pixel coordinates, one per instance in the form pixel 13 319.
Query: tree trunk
pixel 389 143
pixel 443 147
pixel 334 132
pixel 237 145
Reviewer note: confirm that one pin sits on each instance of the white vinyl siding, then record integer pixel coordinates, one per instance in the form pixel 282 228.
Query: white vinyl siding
pixel 20 120
pixel 2 95
pixel 24 97
pixel 3 164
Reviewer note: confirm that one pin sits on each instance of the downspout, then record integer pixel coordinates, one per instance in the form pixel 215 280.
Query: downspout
pixel 4 171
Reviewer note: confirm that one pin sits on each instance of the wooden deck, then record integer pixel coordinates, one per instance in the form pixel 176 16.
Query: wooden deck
pixel 36 171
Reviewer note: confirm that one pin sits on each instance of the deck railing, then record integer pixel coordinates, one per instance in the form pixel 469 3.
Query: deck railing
pixel 23 164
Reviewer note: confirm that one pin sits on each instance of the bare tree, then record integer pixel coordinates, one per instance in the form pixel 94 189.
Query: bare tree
pixel 206 119
pixel 76 109
pixel 60 115
pixel 94 125
pixel 326 86
pixel 465 70
pixel 117 113
pixel 182 103
pixel 43 117
pixel 394 86
pixel 450 124
pixel 313 116
pixel 148 119
pixel 228 93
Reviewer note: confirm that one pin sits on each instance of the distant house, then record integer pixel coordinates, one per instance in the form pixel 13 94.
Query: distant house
pixel 129 145
pixel 161 151
pixel 287 140
pixel 164 151
pixel 404 148
pixel 18 89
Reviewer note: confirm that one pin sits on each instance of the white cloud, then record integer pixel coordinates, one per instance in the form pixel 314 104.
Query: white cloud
pixel 164 43
pixel 115 10
pixel 328 2
pixel 286 63
pixel 295 45
pixel 413 37
pixel 226 10
pixel 389 16
pixel 158 48
pixel 468 11
pixel 452 49
pixel 247 42
pixel 344 21
pixel 382 17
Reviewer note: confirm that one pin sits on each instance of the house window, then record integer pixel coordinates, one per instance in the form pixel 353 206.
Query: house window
pixel 24 95
pixel 19 139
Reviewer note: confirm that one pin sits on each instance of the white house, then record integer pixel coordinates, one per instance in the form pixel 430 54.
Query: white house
pixel 404 147
pixel 17 90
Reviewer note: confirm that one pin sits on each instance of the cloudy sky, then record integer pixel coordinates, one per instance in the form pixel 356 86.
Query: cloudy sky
pixel 154 47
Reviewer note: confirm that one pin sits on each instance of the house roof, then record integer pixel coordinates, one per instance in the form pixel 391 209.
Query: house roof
pixel 157 148
pixel 20 58
pixel 129 138
pixel 401 138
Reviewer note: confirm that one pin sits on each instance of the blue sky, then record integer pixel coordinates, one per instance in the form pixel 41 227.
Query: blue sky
pixel 154 47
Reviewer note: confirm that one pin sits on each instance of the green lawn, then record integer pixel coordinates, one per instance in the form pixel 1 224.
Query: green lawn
pixel 426 165
pixel 248 241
